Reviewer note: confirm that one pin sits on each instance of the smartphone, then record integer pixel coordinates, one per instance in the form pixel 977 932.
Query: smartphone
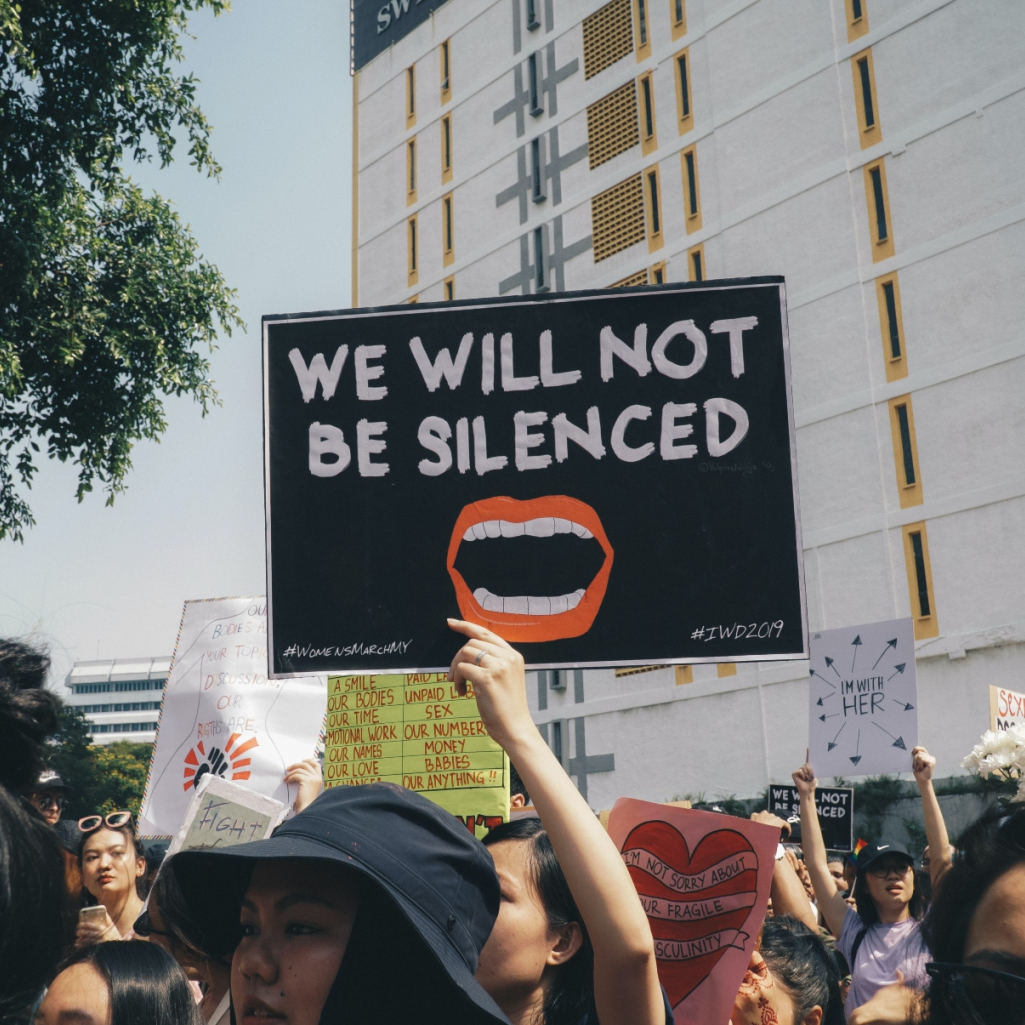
pixel 97 913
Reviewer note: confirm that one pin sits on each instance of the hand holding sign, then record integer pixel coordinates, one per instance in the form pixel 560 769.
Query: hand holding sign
pixel 308 777
pixel 922 764
pixel 805 781
pixel 495 670
pixel 626 985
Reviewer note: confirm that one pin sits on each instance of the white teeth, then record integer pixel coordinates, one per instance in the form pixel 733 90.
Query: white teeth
pixel 528 605
pixel 543 526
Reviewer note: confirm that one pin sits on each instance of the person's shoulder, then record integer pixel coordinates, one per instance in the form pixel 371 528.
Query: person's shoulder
pixel 852 926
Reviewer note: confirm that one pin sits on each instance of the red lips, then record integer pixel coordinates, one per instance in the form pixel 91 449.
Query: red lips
pixel 526 625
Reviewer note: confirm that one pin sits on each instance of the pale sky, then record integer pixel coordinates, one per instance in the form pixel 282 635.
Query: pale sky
pixel 97 582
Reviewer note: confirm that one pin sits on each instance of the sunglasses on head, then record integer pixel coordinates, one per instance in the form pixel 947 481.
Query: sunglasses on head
pixel 115 820
pixel 977 996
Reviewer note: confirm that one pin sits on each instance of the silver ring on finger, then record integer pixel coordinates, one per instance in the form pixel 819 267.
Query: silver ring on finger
pixel 480 655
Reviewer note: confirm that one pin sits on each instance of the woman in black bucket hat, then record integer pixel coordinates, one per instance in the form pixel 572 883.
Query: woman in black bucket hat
pixel 370 905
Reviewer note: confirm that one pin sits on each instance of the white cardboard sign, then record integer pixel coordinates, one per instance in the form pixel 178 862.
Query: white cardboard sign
pixel 223 814
pixel 863 699
pixel 222 715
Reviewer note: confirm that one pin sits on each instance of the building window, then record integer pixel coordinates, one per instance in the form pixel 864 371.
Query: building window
pixel 410 96
pixel 678 17
pixel 410 172
pixel 106 688
pixel 557 740
pixel 533 73
pixel 696 263
pixel 683 111
pixel 658 274
pixel 446 148
pixel 446 71
pixel 612 125
pixel 412 269
pixel 879 212
pixel 540 260
pixel 413 299
pixel 450 289
pixel 608 37
pixel 891 324
pixel 691 194
pixel 857 19
pixel 905 452
pixel 864 99
pixel 447 230
pixel 537 169
pixel 920 589
pixel 533 21
pixel 641 29
pixel 907 455
pixel 617 218
pixel 683 675
pixel 726 669
pixel 649 141
pixel 653 205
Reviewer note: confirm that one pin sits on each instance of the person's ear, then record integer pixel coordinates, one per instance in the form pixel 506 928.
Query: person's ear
pixel 813 1017
pixel 517 801
pixel 140 867
pixel 569 940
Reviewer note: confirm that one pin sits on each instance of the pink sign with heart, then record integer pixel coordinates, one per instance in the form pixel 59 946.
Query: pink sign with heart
pixel 704 881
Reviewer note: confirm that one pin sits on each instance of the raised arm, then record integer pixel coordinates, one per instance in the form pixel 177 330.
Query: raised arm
pixel 923 764
pixel 626 986
pixel 787 892
pixel 831 904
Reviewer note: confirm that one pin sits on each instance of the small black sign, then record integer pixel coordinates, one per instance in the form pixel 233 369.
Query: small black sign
pixel 836 812
pixel 604 478
pixel 376 24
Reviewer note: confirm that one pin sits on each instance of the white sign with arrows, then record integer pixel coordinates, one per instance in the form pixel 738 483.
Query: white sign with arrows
pixel 863 718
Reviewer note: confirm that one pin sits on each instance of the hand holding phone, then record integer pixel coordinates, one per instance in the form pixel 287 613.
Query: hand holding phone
pixel 95 926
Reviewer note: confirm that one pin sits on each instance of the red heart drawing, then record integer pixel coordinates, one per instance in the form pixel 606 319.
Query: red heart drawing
pixel 697 903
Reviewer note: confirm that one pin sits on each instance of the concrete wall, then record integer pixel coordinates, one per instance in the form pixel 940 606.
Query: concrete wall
pixel 782 191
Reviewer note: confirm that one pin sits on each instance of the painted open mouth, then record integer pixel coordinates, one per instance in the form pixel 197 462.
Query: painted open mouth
pixel 533 570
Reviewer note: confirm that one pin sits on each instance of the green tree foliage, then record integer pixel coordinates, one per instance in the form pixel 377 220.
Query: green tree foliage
pixel 100 779
pixel 105 302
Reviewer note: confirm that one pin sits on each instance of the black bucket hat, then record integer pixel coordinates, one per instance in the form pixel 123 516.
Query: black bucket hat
pixel 439 877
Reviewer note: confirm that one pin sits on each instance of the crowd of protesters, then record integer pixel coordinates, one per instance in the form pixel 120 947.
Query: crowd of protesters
pixel 371 903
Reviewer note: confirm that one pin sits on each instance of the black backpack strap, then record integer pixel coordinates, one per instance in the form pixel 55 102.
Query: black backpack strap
pixel 855 945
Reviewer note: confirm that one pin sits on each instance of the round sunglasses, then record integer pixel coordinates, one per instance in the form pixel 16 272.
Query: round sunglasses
pixel 978 996
pixel 115 820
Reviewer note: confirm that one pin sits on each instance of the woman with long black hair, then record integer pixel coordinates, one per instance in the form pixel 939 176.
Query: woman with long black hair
pixel 119 984
pixel 881 939
pixel 976 928
pixel 572 941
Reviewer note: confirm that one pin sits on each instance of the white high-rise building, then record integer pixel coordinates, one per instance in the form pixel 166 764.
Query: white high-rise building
pixel 120 697
pixel 869 150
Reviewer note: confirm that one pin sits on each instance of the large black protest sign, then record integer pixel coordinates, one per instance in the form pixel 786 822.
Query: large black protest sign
pixel 835 806
pixel 604 478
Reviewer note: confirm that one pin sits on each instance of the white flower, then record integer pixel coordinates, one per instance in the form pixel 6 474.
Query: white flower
pixel 1001 753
